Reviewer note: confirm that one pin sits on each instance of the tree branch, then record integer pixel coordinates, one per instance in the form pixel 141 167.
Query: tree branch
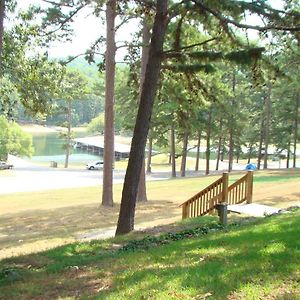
pixel 190 46
pixel 178 32
pixel 52 2
pixel 67 19
pixel 226 20
pixel 124 21
pixel 57 4
pixel 72 58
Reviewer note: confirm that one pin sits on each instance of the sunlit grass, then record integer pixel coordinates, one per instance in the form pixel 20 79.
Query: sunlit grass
pixel 260 260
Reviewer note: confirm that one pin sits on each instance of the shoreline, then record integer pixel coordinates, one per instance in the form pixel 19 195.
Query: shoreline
pixel 35 128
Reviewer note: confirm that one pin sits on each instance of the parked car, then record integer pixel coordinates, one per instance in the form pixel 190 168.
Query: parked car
pixel 4 165
pixel 97 165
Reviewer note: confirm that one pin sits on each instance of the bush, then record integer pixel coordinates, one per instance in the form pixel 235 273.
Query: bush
pixel 14 140
pixel 96 125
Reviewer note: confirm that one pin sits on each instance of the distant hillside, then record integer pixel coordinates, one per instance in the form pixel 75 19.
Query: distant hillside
pixel 90 70
pixel 80 64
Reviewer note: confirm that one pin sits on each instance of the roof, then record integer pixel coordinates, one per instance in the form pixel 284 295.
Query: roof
pixel 98 141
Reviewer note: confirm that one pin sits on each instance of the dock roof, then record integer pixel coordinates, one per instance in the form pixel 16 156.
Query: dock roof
pixel 98 141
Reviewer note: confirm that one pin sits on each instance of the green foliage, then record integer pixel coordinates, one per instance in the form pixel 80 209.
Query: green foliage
pixel 9 97
pixel 96 125
pixel 32 75
pixel 246 57
pixel 73 85
pixel 89 101
pixel 285 95
pixel 191 68
pixel 201 37
pixel 149 242
pixel 126 100
pixel 13 140
pixel 88 70
pixel 38 81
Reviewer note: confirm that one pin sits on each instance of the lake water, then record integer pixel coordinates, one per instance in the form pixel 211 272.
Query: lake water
pixel 49 147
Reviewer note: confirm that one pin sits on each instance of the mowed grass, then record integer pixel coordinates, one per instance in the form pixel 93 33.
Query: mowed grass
pixel 36 221
pixel 255 260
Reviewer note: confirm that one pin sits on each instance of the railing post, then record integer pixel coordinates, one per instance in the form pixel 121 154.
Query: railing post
pixel 249 187
pixel 225 187
pixel 222 212
pixel 184 211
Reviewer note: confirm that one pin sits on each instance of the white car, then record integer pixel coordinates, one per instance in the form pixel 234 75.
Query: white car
pixel 96 165
pixel 4 165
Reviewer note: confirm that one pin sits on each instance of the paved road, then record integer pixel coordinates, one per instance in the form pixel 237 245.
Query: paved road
pixel 27 177
pixel 22 180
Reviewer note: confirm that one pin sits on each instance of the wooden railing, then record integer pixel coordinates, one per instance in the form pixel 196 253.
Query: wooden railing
pixel 241 190
pixel 205 202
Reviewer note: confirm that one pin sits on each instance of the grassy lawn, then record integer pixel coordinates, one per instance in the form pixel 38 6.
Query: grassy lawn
pixel 36 221
pixel 257 259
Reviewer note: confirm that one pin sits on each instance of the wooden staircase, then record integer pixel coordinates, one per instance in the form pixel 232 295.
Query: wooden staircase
pixel 205 202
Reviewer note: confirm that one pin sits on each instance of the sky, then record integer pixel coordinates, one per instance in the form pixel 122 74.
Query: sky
pixel 87 28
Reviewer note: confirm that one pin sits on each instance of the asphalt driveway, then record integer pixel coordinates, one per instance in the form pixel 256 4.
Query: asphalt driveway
pixel 27 177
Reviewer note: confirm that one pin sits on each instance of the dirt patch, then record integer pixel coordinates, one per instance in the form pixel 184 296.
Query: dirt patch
pixel 279 194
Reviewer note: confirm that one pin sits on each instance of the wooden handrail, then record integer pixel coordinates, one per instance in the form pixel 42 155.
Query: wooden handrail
pixel 205 201
pixel 208 188
pixel 238 192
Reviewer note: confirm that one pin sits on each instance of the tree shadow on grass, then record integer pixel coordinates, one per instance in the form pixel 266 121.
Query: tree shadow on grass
pixel 280 201
pixel 58 226
pixel 220 265
pixel 297 195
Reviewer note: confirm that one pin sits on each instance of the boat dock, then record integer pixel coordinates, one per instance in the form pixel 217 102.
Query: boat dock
pixel 95 144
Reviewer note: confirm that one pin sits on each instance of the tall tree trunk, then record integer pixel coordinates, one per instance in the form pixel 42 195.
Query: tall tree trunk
pixel 69 114
pixel 261 138
pixel 184 154
pixel 219 145
pixel 141 195
pixel 108 153
pixel 267 123
pixel 137 152
pixel 231 131
pixel 173 151
pixel 219 153
pixel 288 154
pixel 230 154
pixel 223 151
pixel 149 160
pixel 142 192
pixel 208 133
pixel 198 151
pixel 237 157
pixel 296 122
pixel 2 16
pixel 250 153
